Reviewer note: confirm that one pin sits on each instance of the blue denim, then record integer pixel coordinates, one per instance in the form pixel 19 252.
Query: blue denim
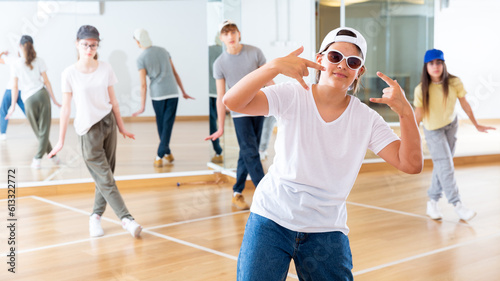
pixel 213 124
pixel 248 132
pixel 268 248
pixel 6 101
pixel 165 111
pixel 441 143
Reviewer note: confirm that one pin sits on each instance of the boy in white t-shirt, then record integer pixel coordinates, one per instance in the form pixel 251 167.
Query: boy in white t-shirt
pixel 299 208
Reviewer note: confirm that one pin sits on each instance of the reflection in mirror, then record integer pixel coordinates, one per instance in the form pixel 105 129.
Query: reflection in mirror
pixel 53 26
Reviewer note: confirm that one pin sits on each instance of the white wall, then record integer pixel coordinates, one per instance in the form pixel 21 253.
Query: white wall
pixel 171 24
pixel 278 29
pixel 466 32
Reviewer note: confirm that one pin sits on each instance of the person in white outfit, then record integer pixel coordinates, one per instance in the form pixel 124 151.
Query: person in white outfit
pixel 90 82
pixel 299 208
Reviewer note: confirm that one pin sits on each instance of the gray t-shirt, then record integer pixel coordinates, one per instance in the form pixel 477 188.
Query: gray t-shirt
pixel 156 62
pixel 232 68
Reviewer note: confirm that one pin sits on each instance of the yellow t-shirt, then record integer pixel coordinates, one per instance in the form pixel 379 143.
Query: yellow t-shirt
pixel 440 114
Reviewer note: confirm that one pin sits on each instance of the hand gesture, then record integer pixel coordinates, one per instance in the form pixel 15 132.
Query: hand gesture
pixel 295 67
pixel 186 96
pixel 393 96
pixel 484 129
pixel 215 135
pixel 56 149
pixel 140 111
pixel 126 134
pixel 10 112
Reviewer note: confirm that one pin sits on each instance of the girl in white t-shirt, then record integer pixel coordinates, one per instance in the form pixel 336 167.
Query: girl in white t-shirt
pixel 90 82
pixel 30 74
pixel 7 96
pixel 299 208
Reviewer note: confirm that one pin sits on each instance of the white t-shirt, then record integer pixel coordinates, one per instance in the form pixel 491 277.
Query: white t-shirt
pixel 316 162
pixel 10 60
pixel 90 92
pixel 29 80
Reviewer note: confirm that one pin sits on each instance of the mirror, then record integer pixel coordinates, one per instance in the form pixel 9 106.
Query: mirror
pixel 53 26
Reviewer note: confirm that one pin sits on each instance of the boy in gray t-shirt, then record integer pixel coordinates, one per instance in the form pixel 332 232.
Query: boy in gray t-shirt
pixel 233 64
pixel 156 63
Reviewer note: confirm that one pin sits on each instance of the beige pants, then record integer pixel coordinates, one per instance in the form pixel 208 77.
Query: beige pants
pixel 99 154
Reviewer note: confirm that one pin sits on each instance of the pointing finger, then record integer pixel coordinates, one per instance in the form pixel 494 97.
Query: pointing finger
pixel 386 79
pixel 298 51
pixel 377 100
pixel 314 65
pixel 303 83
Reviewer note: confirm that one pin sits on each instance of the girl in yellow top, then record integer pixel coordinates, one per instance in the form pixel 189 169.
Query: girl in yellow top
pixel 435 99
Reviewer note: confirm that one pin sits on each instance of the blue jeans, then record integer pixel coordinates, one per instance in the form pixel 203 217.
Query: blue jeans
pixel 248 132
pixel 267 249
pixel 213 124
pixel 6 101
pixel 441 143
pixel 165 111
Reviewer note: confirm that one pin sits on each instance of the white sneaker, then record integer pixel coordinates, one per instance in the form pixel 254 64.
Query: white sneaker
pixel 463 212
pixel 132 226
pixel 3 137
pixel 95 227
pixel 36 163
pixel 433 210
pixel 263 155
pixel 55 160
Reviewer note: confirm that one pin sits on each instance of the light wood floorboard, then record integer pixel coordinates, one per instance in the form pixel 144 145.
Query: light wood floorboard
pixel 192 233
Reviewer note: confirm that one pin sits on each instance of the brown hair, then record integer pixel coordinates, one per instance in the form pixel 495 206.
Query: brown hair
pixel 228 28
pixel 426 81
pixel 356 83
pixel 29 54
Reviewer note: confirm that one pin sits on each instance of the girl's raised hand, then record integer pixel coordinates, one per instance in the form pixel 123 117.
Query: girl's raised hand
pixel 295 67
pixel 393 96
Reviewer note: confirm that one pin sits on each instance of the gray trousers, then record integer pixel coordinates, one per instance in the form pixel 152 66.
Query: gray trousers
pixel 441 143
pixel 38 112
pixel 99 154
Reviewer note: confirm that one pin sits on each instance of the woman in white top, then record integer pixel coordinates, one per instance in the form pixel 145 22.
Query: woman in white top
pixel 299 208
pixel 90 82
pixel 30 74
pixel 7 96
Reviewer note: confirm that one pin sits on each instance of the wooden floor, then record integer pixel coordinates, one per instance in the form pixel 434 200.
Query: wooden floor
pixel 191 232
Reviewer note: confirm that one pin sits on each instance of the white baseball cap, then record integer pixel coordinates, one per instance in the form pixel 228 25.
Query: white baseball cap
pixel 226 22
pixel 142 36
pixel 357 40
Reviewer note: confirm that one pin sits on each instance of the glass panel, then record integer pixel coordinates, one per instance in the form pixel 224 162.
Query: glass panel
pixel 398 33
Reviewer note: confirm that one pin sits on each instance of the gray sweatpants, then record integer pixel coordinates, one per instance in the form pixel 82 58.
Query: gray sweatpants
pixel 441 143
pixel 38 112
pixel 99 154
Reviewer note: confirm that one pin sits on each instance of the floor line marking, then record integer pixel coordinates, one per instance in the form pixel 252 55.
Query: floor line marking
pixel 197 220
pixel 146 230
pixel 404 213
pixel 66 243
pixel 192 245
pixel 429 253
